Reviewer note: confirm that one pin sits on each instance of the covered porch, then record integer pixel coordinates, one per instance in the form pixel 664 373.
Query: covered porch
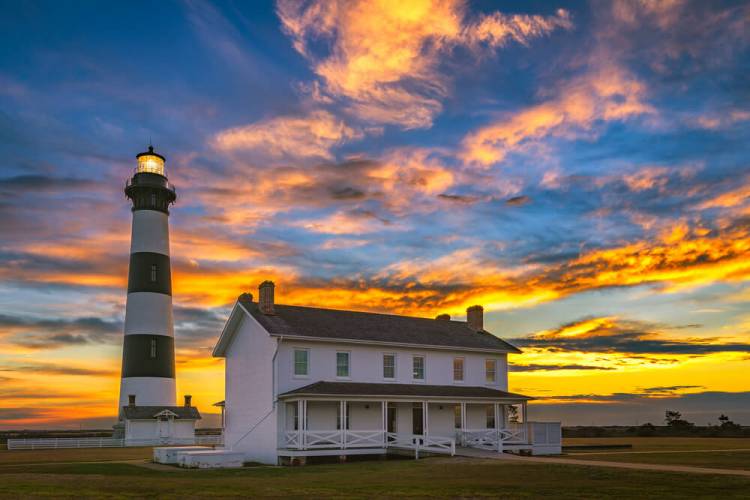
pixel 340 418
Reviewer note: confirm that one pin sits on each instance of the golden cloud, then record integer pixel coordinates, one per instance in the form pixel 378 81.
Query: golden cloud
pixel 385 55
pixel 309 136
pixel 609 93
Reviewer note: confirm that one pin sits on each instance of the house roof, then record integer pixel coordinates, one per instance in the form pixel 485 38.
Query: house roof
pixel 323 388
pixel 148 412
pixel 334 324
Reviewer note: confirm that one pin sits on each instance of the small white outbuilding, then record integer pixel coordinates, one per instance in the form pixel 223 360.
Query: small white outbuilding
pixel 162 424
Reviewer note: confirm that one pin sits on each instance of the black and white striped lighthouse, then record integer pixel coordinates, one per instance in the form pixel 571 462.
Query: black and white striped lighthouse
pixel 148 365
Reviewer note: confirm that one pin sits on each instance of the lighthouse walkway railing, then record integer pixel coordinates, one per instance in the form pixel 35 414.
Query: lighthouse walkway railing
pixel 103 442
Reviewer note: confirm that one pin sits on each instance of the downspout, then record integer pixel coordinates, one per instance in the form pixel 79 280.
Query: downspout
pixel 275 368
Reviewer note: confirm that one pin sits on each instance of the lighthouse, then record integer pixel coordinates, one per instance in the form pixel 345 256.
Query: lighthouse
pixel 148 373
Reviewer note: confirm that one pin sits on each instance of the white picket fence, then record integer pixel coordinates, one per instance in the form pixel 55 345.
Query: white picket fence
pixel 96 442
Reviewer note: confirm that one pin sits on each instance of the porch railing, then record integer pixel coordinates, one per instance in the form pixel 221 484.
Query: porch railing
pixel 547 433
pixel 336 439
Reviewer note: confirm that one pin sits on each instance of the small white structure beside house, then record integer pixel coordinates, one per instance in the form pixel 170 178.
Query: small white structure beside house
pixel 159 424
pixel 304 381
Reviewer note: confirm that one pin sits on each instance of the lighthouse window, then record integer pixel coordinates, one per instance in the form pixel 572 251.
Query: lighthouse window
pixel 153 199
pixel 153 348
pixel 153 273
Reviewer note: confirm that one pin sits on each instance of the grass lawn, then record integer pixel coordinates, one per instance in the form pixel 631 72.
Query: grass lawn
pixel 436 477
pixel 673 451
pixel 73 455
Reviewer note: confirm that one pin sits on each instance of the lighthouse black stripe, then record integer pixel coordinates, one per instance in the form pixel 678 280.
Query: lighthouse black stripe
pixel 148 356
pixel 149 272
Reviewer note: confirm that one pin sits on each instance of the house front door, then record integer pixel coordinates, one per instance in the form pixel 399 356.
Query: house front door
pixel 417 422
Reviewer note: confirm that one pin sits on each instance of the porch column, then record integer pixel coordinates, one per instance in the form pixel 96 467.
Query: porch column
pixel 425 418
pixel 498 434
pixel 527 431
pixel 384 422
pixel 300 432
pixel 342 422
pixel 463 422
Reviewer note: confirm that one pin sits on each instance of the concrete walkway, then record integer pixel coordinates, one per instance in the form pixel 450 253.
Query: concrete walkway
pixel 475 453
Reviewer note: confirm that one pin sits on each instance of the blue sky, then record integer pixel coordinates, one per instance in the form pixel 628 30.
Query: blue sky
pixel 580 169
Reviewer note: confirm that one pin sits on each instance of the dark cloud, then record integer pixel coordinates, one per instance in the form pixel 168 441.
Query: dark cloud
pixel 54 369
pixel 34 333
pixel 626 336
pixel 459 198
pixel 517 201
pixel 545 368
pixel 662 389
pixel 639 408
pixel 346 193
pixel 41 183
pixel 21 413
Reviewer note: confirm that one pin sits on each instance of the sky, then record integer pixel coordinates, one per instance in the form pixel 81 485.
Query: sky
pixel 579 169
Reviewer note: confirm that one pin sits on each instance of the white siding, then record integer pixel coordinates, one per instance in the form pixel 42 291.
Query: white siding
pixel 366 365
pixel 251 418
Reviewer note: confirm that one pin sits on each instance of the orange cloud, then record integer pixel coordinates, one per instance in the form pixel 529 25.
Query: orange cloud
pixel 607 94
pixel 385 55
pixel 309 136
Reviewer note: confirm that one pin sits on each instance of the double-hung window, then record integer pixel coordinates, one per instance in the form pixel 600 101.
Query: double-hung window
pixel 389 366
pixel 342 364
pixel 457 416
pixel 490 371
pixel 418 367
pixel 458 369
pixel 301 362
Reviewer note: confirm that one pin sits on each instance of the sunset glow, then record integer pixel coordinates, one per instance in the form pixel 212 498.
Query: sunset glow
pixel 580 170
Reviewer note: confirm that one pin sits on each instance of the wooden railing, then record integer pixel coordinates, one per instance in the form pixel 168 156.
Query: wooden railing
pixel 315 439
pixel 547 433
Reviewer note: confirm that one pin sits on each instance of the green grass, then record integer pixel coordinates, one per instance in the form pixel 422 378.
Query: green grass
pixel 73 455
pixel 433 477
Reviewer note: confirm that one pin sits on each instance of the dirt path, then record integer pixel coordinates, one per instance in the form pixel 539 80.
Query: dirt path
pixel 601 463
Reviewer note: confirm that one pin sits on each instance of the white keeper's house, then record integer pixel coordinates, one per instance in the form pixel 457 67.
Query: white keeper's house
pixel 306 381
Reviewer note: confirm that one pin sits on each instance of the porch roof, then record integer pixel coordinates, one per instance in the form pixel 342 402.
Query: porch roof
pixel 361 389
pixel 151 412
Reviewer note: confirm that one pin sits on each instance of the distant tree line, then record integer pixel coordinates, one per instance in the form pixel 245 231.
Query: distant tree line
pixel 675 425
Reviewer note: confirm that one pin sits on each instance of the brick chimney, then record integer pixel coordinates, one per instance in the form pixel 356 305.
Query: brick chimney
pixel 188 398
pixel 247 296
pixel 475 318
pixel 443 317
pixel 265 297
pixel 131 400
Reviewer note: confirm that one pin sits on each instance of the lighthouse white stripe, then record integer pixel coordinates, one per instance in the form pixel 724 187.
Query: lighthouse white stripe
pixel 149 391
pixel 148 313
pixel 150 232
